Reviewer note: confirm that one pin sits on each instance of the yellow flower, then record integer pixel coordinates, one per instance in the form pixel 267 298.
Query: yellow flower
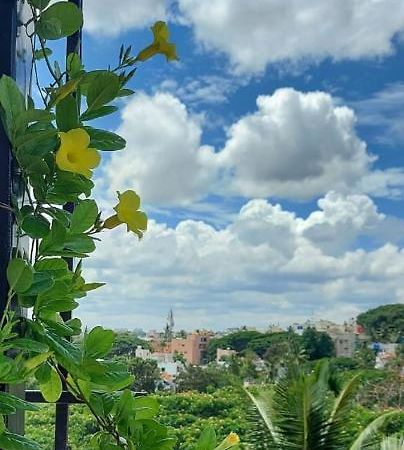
pixel 74 155
pixel 127 211
pixel 232 440
pixel 160 44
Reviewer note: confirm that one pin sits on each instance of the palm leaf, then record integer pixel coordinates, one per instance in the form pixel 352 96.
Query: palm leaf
pixel 335 437
pixel 392 443
pixel 261 400
pixel 366 437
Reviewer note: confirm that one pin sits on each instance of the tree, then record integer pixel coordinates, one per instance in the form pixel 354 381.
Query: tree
pixel 126 343
pixel 262 344
pixel 145 371
pixel 385 323
pixel 202 379
pixel 366 358
pixel 297 415
pixel 236 341
pixel 317 344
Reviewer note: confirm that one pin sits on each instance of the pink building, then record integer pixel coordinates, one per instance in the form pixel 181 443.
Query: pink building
pixel 193 347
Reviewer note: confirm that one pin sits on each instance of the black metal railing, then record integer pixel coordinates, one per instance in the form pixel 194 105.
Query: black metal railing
pixel 9 36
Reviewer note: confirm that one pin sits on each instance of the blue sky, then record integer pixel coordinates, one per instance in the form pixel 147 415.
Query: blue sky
pixel 269 160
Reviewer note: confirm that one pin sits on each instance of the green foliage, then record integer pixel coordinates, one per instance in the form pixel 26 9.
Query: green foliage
pixel 203 379
pixel 236 341
pixel 59 20
pixel 145 372
pixel 55 153
pixel 126 342
pixel 317 344
pixel 385 323
pixel 302 412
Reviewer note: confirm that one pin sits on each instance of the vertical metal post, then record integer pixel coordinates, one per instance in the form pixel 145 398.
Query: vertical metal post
pixel 62 409
pixel 8 39
pixel 8 34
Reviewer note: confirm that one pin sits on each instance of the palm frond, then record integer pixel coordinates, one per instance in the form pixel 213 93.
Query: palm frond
pixel 299 417
pixel 367 437
pixel 262 401
pixel 392 443
pixel 336 437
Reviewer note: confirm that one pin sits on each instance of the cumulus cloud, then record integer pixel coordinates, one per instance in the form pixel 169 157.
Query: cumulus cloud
pixel 254 34
pixel 164 159
pixel 266 265
pixel 295 145
pixel 103 17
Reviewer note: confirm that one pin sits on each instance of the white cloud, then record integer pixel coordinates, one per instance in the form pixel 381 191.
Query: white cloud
pixel 295 145
pixel 107 18
pixel 384 112
pixel 254 34
pixel 164 159
pixel 205 89
pixel 267 265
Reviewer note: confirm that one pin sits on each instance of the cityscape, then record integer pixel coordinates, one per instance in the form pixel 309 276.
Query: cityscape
pixel 201 225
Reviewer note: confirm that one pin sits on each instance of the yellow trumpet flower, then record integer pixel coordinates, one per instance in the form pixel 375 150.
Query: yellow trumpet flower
pixel 127 211
pixel 74 155
pixel 160 44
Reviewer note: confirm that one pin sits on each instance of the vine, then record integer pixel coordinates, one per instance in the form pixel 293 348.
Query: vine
pixel 56 150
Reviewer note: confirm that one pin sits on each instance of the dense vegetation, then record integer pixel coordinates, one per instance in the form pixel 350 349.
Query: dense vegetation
pixel 269 345
pixel 385 323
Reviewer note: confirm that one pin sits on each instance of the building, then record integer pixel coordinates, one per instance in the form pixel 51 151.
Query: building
pixel 346 343
pixel 193 347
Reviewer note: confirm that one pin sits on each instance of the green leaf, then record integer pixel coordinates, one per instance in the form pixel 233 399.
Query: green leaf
pixel 57 267
pixel 52 389
pixel 34 362
pixel 125 92
pixel 42 282
pixel 34 137
pixel 146 407
pixel 63 91
pixel 80 243
pixel 100 112
pixel 207 440
pixel 16 402
pixel 103 89
pixel 32 115
pixel 75 324
pixel 105 140
pixel 61 329
pixel 10 441
pixel 54 240
pixel 102 403
pixel 84 216
pixel 67 113
pixel 36 226
pixel 68 186
pixel 43 372
pixel 2 425
pixel 92 286
pixel 19 275
pixel 29 345
pixel 12 103
pixel 98 342
pixel 60 20
pixel 41 53
pixel 73 64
